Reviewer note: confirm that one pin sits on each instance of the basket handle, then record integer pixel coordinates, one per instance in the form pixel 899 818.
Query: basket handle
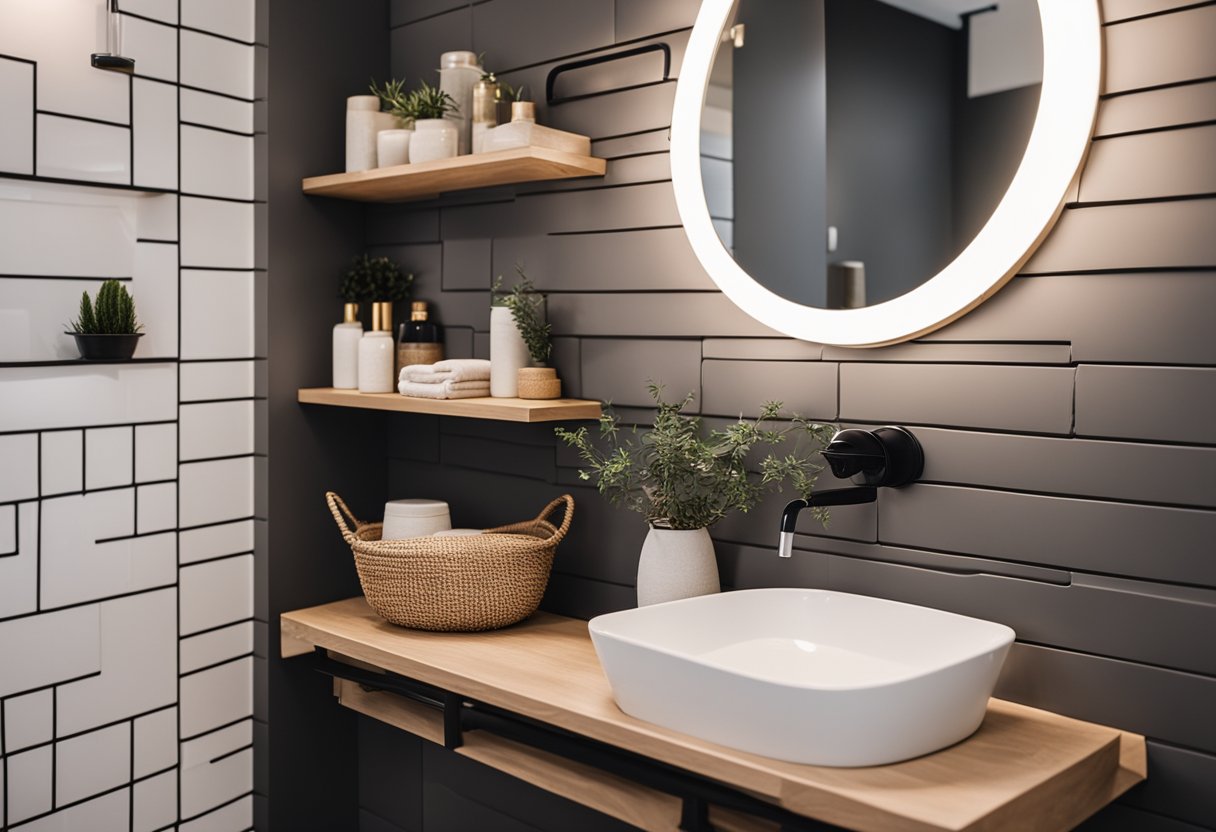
pixel 568 502
pixel 338 508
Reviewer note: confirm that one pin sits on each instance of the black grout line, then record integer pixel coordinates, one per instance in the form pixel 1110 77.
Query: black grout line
pixel 231 753
pixel 90 119
pixel 215 730
pixel 214 665
pixel 83 183
pixel 217 627
pixel 90 278
pixel 215 129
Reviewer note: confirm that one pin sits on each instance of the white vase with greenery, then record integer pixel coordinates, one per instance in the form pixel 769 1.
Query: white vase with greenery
pixel 683 479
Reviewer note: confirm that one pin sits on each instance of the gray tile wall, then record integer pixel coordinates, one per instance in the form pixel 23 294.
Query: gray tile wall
pixel 1070 487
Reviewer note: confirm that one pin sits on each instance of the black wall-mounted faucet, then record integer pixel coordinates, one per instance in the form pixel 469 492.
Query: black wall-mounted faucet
pixel 882 457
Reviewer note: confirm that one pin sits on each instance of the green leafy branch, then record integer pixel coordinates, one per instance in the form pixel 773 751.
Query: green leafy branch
pixel 679 476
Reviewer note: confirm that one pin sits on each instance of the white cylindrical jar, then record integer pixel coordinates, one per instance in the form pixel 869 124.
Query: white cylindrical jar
pixel 363 121
pixel 414 518
pixel 376 358
pixel 347 336
pixel 393 147
pixel 458 73
pixel 508 353
pixel 434 138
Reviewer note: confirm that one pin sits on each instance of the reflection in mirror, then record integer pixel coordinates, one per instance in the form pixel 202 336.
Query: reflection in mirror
pixel 852 148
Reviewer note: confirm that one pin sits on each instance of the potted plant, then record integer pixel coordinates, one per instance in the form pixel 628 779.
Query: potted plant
pixel 392 146
pixel 384 283
pixel 434 136
pixel 519 342
pixel 107 328
pixel 683 479
pixel 537 381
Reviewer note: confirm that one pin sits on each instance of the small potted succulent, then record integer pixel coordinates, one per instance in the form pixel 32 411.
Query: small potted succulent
pixel 107 329
pixel 683 479
pixel 435 137
pixel 521 345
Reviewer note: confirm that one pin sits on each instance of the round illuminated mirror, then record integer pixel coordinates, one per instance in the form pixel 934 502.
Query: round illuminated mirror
pixel 860 172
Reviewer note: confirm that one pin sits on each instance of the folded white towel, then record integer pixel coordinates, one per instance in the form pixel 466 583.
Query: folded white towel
pixel 453 369
pixel 444 390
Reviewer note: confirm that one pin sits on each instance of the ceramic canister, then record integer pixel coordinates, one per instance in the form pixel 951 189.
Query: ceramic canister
pixel 414 518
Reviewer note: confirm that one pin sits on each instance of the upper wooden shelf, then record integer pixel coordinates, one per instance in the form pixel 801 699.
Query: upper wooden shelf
pixel 1023 769
pixel 503 410
pixel 425 180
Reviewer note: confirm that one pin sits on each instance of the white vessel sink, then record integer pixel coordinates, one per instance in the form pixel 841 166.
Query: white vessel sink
pixel 804 675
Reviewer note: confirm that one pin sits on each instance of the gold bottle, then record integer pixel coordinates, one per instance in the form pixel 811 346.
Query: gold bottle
pixel 418 342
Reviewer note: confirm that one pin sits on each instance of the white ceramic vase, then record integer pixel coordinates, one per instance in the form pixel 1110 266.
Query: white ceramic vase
pixel 363 122
pixel 376 359
pixel 393 147
pixel 676 564
pixel 434 138
pixel 508 353
pixel 346 355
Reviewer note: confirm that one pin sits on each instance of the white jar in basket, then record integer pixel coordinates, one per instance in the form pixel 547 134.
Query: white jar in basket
pixel 414 518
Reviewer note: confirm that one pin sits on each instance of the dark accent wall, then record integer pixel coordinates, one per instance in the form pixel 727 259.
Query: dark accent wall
pixel 324 51
pixel 1070 483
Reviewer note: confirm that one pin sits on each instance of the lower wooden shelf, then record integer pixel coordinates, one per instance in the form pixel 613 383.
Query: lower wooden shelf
pixel 505 410
pixel 1023 769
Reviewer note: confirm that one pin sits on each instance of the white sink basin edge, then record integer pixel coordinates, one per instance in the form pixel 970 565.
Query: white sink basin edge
pixel 809 676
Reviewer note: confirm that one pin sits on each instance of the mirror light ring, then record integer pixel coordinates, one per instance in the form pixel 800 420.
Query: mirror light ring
pixel 1068 102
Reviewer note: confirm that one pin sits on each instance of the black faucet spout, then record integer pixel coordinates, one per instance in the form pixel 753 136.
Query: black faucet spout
pixel 835 497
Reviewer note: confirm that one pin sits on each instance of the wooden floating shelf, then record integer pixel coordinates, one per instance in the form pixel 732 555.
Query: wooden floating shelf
pixel 425 180
pixel 1023 769
pixel 503 410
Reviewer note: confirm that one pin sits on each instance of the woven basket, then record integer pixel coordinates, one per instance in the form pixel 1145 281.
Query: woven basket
pixel 455 584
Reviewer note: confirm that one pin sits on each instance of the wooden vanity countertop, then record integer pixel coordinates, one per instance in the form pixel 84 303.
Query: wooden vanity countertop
pixel 1023 769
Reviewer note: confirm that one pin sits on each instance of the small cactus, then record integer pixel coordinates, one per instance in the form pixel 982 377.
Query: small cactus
pixel 113 313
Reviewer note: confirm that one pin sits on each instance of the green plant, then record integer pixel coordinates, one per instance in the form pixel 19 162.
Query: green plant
pixel 527 309
pixel 514 93
pixel 374 279
pixel 113 313
pixel 395 99
pixel 431 102
pixel 678 476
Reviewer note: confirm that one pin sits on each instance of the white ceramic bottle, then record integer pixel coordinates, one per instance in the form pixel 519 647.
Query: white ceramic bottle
pixel 346 354
pixel 508 353
pixel 376 359
pixel 458 73
pixel 363 121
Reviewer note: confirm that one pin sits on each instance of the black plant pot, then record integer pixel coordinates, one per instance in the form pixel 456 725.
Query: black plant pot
pixel 106 347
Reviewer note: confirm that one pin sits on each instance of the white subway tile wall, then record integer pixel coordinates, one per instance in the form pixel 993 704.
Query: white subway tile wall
pixel 112 652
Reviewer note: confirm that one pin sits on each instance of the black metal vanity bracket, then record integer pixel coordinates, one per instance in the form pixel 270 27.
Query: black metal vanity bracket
pixel 551 79
pixel 462 714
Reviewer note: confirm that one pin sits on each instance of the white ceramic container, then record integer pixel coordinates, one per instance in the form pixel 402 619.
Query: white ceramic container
pixel 805 675
pixel 415 518
pixel 676 564
pixel 363 122
pixel 377 355
pixel 459 72
pixel 346 355
pixel 393 147
pixel 434 138
pixel 508 353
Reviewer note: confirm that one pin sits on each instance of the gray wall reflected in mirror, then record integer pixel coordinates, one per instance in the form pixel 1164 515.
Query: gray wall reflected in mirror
pixel 852 148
